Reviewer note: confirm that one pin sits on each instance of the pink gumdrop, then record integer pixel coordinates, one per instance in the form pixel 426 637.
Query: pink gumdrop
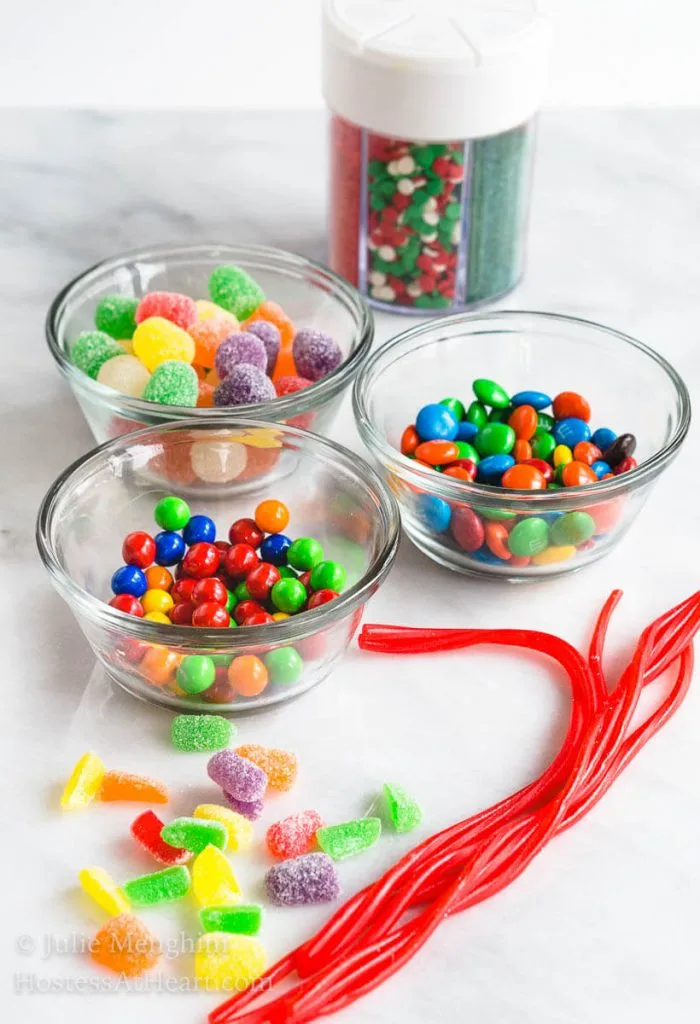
pixel 179 309
pixel 293 835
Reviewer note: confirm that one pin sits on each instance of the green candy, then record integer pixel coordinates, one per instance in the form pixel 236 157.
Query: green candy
pixel 285 665
pixel 528 537
pixel 467 451
pixel 222 660
pixel 230 601
pixel 195 673
pixel 158 887
pixel 495 514
pixel 194 834
pixel 244 919
pixel 116 316
pixel 328 576
pixel 92 349
pixel 545 421
pixel 201 732
pixel 500 415
pixel 404 812
pixel 543 445
pixel 350 838
pixel 241 593
pixel 476 414
pixel 572 528
pixel 455 406
pixel 172 513
pixel 235 290
pixel 488 392
pixel 495 439
pixel 172 383
pixel 288 595
pixel 304 553
pixel 286 572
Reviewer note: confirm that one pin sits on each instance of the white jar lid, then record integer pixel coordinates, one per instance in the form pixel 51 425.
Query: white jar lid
pixel 438 70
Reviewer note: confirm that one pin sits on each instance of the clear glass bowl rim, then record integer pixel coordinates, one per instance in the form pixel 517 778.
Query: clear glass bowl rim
pixel 268 258
pixel 187 637
pixel 458 490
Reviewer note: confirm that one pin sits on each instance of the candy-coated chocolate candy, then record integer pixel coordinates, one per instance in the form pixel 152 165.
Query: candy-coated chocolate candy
pixel 436 423
pixel 554 554
pixel 139 549
pixel 210 589
pixel 562 455
pixel 172 513
pixel 248 675
pixel 500 415
pixel 129 580
pixel 437 453
pixel 409 440
pixel 524 477
pixel 537 399
pixel 528 537
pixel 544 468
pixel 522 451
pixel 490 393
pixel 274 549
pixel 572 528
pixel 201 560
pixel 210 616
pixel 284 665
pixel 158 665
pixel 455 406
pixel 257 619
pixel 587 452
pixel 328 575
pixel 466 451
pixel 620 449
pixel 157 601
pixel 605 515
pixel 523 420
pixel 467 528
pixel 625 465
pixel 601 469
pixel 459 473
pixel 466 431
pixel 577 474
pixel 246 531
pixel 304 553
pixel 495 439
pixel 158 577
pixel 157 617
pixel 603 437
pixel 290 595
pixel 497 540
pixel 470 465
pixel 183 589
pixel 128 604
pixel 518 562
pixel 322 597
pixel 240 560
pixel 245 609
pixel 477 415
pixel 492 468
pixel 195 673
pixel 241 592
pixel 272 516
pixel 542 444
pixel 434 513
pixel 199 528
pixel 181 614
pixel 497 514
pixel 170 547
pixel 545 422
pixel 570 431
pixel 261 581
pixel 570 405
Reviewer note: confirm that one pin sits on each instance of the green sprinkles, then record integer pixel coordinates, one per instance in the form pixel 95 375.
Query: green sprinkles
pixel 404 812
pixel 349 838
pixel 201 732
pixel 116 316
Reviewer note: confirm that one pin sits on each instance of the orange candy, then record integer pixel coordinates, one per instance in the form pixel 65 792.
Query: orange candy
pixel 409 441
pixel 138 788
pixel 205 395
pixel 606 515
pixel 524 478
pixel 207 336
pixel 519 561
pixel 569 403
pixel 587 452
pixel 458 472
pixel 271 516
pixel 213 378
pixel 497 540
pixel 158 665
pixel 522 451
pixel 285 365
pixel 247 675
pixel 280 766
pixel 437 453
pixel 523 420
pixel 274 314
pixel 158 578
pixel 576 474
pixel 126 946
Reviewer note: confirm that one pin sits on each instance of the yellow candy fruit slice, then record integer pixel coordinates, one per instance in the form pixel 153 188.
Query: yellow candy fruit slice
pixel 213 881
pixel 240 829
pixel 84 782
pixel 102 888
pixel 157 339
pixel 227 961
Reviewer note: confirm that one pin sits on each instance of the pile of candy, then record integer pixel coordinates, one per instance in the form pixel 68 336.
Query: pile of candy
pixel 192 854
pixel 236 348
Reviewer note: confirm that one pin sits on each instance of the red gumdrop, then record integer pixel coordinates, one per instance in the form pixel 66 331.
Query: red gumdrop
pixel 293 836
pixel 466 528
pixel 290 385
pixel 179 309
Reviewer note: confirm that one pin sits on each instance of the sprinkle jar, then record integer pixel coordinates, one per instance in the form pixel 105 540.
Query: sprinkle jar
pixel 433 107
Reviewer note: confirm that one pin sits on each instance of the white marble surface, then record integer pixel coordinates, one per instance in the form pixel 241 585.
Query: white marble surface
pixel 605 925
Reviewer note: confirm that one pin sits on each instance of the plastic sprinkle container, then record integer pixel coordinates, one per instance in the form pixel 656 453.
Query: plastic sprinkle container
pixel 432 133
pixel 510 531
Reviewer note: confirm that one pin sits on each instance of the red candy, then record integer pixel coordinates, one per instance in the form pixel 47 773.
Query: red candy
pixel 240 559
pixel 322 597
pixel 182 589
pixel 409 441
pixel 293 836
pixel 146 831
pixel 202 559
pixel 179 309
pixel 181 614
pixel 211 589
pixel 261 580
pixel 139 549
pixel 625 465
pixel 127 603
pixel 246 531
pixel 289 385
pixel 467 529
pixel 210 615
pixel 261 618
pixel 244 609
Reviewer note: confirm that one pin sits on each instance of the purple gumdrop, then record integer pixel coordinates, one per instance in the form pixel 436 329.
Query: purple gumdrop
pixel 237 776
pixel 239 348
pixel 308 879
pixel 270 337
pixel 245 385
pixel 315 354
pixel 251 809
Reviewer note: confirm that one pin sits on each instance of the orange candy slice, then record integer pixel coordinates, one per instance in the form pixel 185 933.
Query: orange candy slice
pixel 137 788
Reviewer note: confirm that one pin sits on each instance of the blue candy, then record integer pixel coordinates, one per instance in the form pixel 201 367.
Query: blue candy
pixel 129 580
pixel 600 468
pixel 434 512
pixel 199 528
pixel 492 468
pixel 170 547
pixel 487 556
pixel 603 437
pixel 570 431
pixel 537 399
pixel 436 423
pixel 466 431
pixel 274 549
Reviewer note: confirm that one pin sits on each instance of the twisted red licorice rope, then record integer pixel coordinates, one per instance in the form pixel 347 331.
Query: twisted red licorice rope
pixel 373 934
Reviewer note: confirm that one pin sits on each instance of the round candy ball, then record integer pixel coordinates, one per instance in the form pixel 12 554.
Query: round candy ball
pixel 92 349
pixel 199 528
pixel 129 579
pixel 242 347
pixel 245 385
pixel 125 374
pixel 284 665
pixel 270 337
pixel 274 549
pixel 139 549
pixel 328 576
pixel 173 383
pixel 170 547
pixel 172 513
pixel 195 673
pixel 271 516
pixel 116 315
pixel 288 595
pixel 315 353
pixel 304 553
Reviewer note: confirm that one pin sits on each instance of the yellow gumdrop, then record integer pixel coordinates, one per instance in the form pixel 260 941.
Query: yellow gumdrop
pixel 157 339
pixel 85 781
pixel 240 829
pixel 157 617
pixel 157 601
pixel 554 554
pixel 207 310
pixel 562 455
pixel 102 888
pixel 224 960
pixel 213 881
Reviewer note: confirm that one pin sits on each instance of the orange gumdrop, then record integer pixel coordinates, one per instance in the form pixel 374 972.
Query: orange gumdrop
pixel 577 474
pixel 138 788
pixel 524 478
pixel 205 395
pixel 497 540
pixel 126 946
pixel 207 336
pixel 248 675
pixel 158 578
pixel 409 440
pixel 159 665
pixel 570 403
pixel 285 365
pixel 523 420
pixel 522 451
pixel 274 314
pixel 280 766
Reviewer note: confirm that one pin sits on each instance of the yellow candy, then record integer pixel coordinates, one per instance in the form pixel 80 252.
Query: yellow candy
pixel 554 554
pixel 562 455
pixel 85 781
pixel 157 339
pixel 240 829
pixel 157 601
pixel 102 888
pixel 207 310
pixel 157 617
pixel 224 960
pixel 213 881
pixel 280 616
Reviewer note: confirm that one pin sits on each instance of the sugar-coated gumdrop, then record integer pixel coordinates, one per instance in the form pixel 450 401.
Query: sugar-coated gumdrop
pixel 237 776
pixel 239 348
pixel 213 881
pixel 84 782
pixel 270 337
pixel 294 835
pixel 349 838
pixel 290 385
pixel 92 349
pixel 116 316
pixel 159 887
pixel 173 383
pixel 102 888
pixel 228 962
pixel 205 395
pixel 245 385
pixel 208 336
pixel 235 290
pixel 404 812
pixel 126 946
pixel 207 310
pixel 316 354
pixel 194 834
pixel 238 828
pixel 178 309
pixel 243 919
pixel 157 340
pixel 280 766
pixel 251 809
pixel 273 313
pixel 285 365
pixel 139 788
pixel 201 732
pixel 125 374
pixel 309 879
pixel 146 830
pixel 217 462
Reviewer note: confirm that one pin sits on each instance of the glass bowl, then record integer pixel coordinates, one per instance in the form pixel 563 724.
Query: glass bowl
pixel 332 495
pixel 631 389
pixel 310 294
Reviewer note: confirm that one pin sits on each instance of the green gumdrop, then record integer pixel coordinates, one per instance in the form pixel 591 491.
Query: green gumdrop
pixel 404 812
pixel 235 290
pixel 495 439
pixel 92 349
pixel 528 537
pixel 476 414
pixel 572 528
pixel 285 665
pixel 244 919
pixel 201 732
pixel 158 887
pixel 116 316
pixel 488 392
pixel 543 445
pixel 194 834
pixel 341 841
pixel 172 383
